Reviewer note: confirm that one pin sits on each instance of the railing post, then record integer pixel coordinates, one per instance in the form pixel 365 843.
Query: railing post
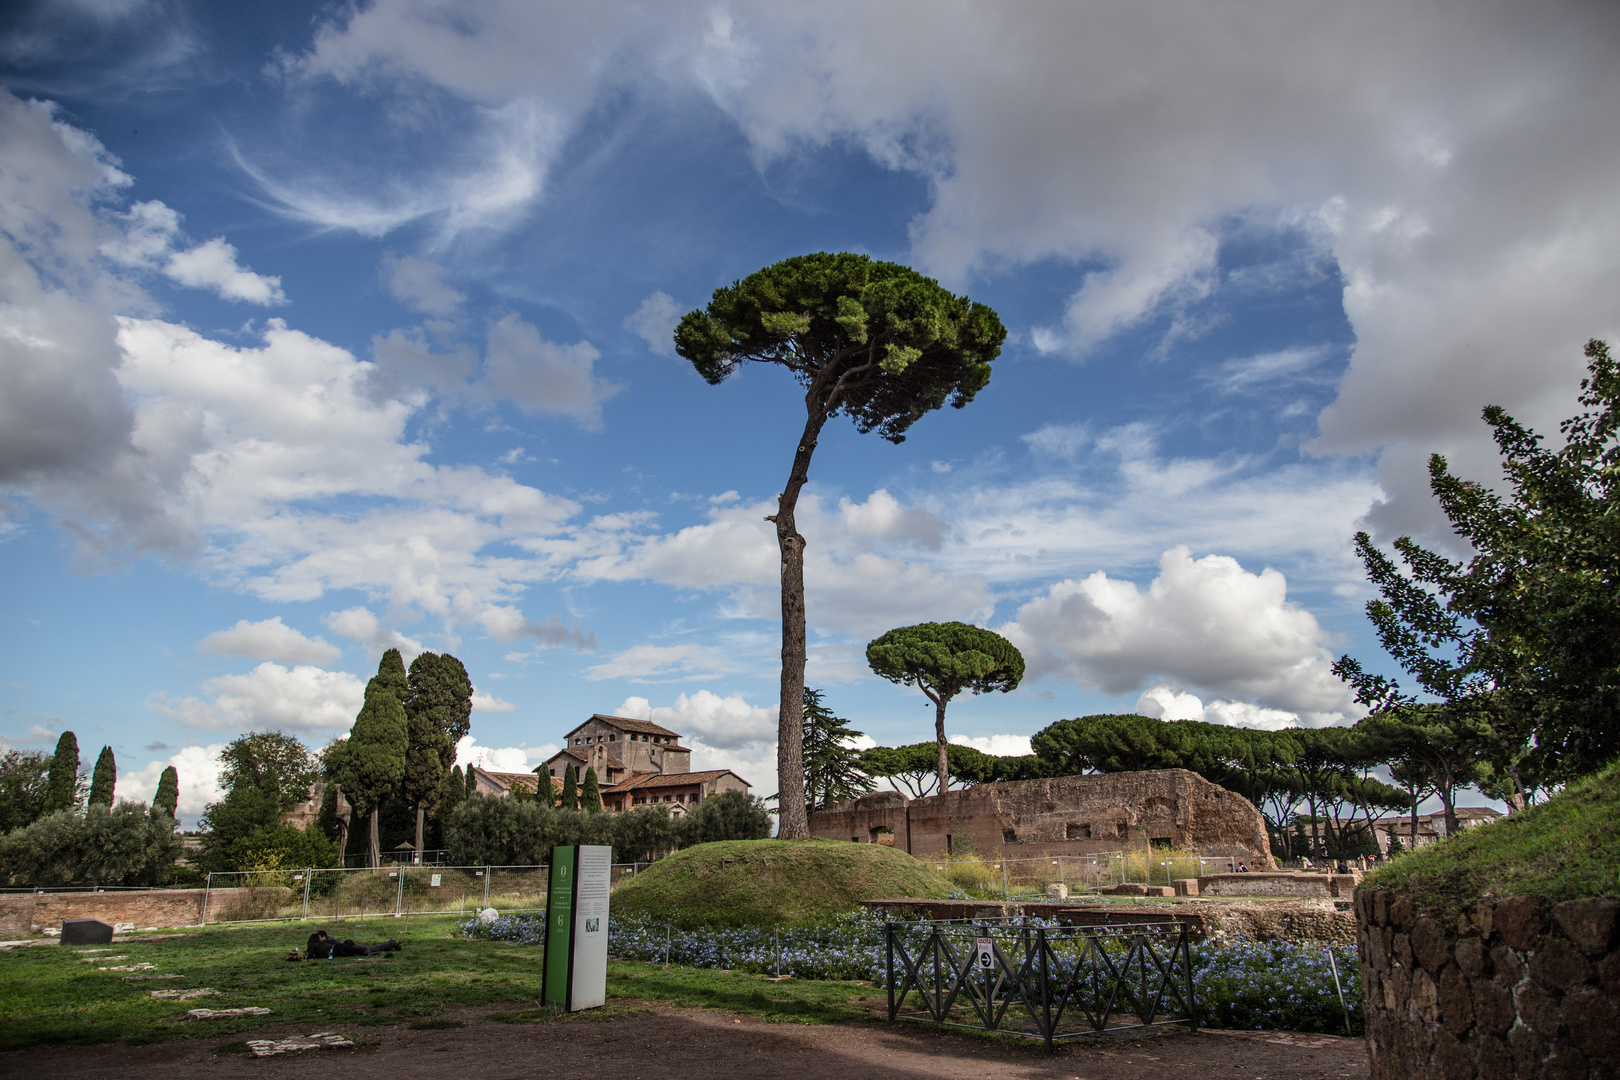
pixel 888 964
pixel 1046 989
pixel 208 886
pixel 309 872
pixel 399 894
pixel 487 871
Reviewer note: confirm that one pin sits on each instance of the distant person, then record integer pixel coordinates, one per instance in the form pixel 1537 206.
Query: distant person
pixel 1243 868
pixel 1343 867
pixel 322 947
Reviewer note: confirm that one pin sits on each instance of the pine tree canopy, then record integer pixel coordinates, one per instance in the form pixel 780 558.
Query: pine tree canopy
pixel 62 788
pixel 103 779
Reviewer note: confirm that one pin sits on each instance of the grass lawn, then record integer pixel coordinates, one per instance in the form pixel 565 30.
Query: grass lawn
pixel 1564 849
pixel 51 994
pixel 773 882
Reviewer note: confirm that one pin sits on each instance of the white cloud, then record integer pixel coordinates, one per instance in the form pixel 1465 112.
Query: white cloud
pixel 999 745
pixel 720 722
pixel 483 701
pixel 507 623
pixel 1163 703
pixel 420 284
pixel 1458 173
pixel 541 376
pixel 359 624
pixel 212 265
pixel 654 322
pixel 723 732
pixel 1205 623
pixel 488 183
pixel 501 758
pixel 198 768
pixel 661 663
pixel 304 698
pixel 269 639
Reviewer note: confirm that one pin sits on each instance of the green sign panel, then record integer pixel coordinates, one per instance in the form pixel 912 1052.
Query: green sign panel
pixel 577 927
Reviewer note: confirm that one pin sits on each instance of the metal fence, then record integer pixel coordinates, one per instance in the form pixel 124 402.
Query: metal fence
pixel 1045 982
pixel 390 890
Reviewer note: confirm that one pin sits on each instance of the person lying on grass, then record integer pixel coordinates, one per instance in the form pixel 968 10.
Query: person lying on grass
pixel 322 947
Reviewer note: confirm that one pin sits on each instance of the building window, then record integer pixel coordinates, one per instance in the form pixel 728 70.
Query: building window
pixel 611 736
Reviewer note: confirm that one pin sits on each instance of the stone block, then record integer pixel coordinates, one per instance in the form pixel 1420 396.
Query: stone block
pixel 1456 1001
pixel 1558 964
pixel 1480 915
pixel 1526 1049
pixel 1401 949
pixel 1424 1004
pixel 1538 1010
pixel 1593 1020
pixel 1403 913
pixel 1493 1008
pixel 1588 924
pixel 1492 1059
pixel 1520 920
pixel 1057 891
pixel 1566 1062
pixel 1185 886
pixel 1429 945
pixel 1609 973
pixel 1470 956
pixel 86 932
pixel 1507 966
pixel 1451 1057
pixel 1158 890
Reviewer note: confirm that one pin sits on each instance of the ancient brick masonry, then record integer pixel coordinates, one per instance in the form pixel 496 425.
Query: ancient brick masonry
pixel 1067 815
pixel 1517 988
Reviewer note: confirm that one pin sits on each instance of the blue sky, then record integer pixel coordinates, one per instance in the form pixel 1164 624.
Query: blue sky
pixel 326 328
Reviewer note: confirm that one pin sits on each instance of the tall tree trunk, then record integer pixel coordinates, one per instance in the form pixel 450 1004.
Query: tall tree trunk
pixel 343 829
pixel 939 737
pixel 375 854
pixel 792 821
pixel 421 815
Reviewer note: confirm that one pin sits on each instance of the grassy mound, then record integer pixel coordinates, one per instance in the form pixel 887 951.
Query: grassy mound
pixel 1564 849
pixel 752 882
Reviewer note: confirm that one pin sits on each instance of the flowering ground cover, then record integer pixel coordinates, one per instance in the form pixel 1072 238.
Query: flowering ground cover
pixel 1241 985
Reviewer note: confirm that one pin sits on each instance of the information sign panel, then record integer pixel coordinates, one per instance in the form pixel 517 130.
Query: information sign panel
pixel 575 963
pixel 987 954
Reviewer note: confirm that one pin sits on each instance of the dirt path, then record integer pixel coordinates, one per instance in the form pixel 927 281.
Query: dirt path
pixel 662 1043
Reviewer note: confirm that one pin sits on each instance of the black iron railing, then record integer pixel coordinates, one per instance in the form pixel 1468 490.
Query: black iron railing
pixel 1046 982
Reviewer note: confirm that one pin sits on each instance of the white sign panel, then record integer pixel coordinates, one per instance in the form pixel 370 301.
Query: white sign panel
pixel 595 875
pixel 434 883
pixel 987 955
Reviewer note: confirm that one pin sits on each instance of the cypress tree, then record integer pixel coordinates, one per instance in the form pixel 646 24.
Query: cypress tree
pixel 472 781
pixel 544 794
pixel 104 779
pixel 373 763
pixel 591 800
pixel 62 785
pixel 438 708
pixel 167 799
pixel 570 791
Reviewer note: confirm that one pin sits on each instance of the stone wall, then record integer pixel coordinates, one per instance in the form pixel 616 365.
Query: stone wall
pixel 1516 988
pixel 1281 884
pixel 1068 815
pixel 22 914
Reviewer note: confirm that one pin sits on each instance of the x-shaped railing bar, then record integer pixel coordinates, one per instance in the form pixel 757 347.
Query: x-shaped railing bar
pixel 1092 980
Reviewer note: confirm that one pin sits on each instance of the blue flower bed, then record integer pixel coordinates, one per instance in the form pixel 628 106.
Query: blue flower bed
pixel 1244 985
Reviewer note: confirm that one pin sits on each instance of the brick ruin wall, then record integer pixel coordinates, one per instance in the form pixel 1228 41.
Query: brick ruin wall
pixel 1518 988
pixel 22 914
pixel 1068 815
